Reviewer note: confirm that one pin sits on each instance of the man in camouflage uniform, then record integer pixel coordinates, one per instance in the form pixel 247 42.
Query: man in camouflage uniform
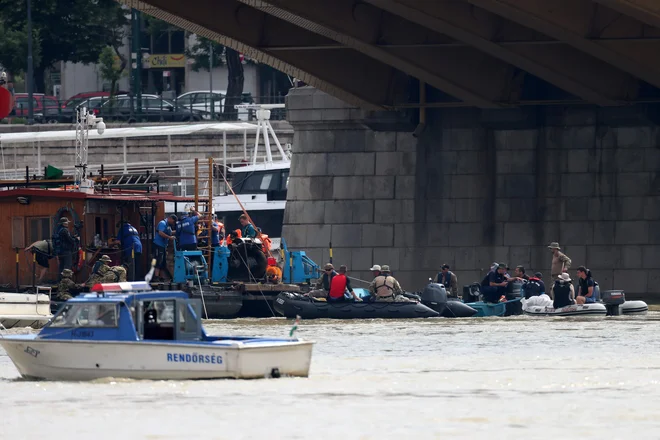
pixel 107 274
pixel 560 262
pixel 385 288
pixel 66 286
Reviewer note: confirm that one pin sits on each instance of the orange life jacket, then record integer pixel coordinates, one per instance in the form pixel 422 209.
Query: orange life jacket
pixel 265 243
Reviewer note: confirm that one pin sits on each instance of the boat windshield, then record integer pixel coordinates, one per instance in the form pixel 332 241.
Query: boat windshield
pixel 260 181
pixel 86 315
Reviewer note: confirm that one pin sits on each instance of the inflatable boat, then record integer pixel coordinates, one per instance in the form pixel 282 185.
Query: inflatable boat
pixel 593 309
pixel 434 296
pixel 291 305
pixel 634 308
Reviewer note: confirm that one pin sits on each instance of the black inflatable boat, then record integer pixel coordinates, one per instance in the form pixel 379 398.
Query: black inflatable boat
pixel 293 304
pixel 434 296
pixel 432 302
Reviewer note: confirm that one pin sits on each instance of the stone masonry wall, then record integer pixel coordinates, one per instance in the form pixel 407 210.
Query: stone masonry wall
pixel 478 187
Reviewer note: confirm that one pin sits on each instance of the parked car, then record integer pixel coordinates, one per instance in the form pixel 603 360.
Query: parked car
pixel 154 109
pixel 40 103
pixel 204 100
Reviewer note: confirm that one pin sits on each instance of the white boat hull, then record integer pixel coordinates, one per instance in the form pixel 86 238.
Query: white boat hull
pixel 593 309
pixel 82 360
pixel 24 310
pixel 634 308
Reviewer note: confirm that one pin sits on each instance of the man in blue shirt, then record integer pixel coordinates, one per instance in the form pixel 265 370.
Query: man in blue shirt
pixel 161 242
pixel 248 230
pixel 186 232
pixel 494 287
pixel 131 249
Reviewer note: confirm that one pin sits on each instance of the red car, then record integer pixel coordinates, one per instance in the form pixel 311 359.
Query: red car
pixel 40 102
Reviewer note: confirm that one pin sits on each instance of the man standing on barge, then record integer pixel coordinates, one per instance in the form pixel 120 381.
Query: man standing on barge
pixel 560 262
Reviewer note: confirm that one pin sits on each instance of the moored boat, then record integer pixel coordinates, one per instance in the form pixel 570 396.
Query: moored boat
pixel 24 310
pixel 141 334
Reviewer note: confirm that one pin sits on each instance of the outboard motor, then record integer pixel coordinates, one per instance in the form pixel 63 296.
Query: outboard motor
pixel 434 296
pixel 612 300
pixel 471 292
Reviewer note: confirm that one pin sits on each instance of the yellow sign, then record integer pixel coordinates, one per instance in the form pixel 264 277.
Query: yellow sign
pixel 167 61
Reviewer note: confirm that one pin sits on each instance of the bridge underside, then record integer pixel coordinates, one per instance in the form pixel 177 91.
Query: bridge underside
pixel 476 53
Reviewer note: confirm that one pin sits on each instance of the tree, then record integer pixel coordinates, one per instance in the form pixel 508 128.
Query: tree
pixel 111 68
pixel 200 51
pixel 235 83
pixel 68 30
pixel 13 49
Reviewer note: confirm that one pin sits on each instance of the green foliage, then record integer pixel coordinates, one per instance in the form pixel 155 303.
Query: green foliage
pixel 13 49
pixel 111 68
pixel 66 30
pixel 200 51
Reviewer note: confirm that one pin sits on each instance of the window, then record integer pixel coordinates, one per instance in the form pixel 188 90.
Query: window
pixel 86 315
pixel 104 227
pixel 51 103
pixel 38 229
pixel 284 184
pixel 186 100
pixel 265 182
pixel 259 182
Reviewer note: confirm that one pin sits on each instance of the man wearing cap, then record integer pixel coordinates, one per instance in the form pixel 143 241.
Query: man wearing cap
pixel 375 270
pixel 161 242
pixel 560 262
pixel 328 274
pixel 67 286
pixel 495 288
pixel 385 287
pixel 449 280
pixel 63 244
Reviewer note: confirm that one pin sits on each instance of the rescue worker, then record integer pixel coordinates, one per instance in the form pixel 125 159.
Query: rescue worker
pixel 63 244
pixel 560 262
pixel 449 280
pixel 103 273
pixel 533 287
pixel 43 252
pixel 587 287
pixel 518 274
pixel 539 276
pixel 66 287
pixel 273 272
pixel 493 286
pixel 131 248
pixel 385 287
pixel 186 231
pixel 325 280
pixel 248 229
pixel 375 270
pixel 562 291
pixel 339 285
pixel 161 242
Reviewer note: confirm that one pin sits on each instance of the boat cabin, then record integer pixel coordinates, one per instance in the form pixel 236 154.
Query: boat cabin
pixel 32 214
pixel 113 313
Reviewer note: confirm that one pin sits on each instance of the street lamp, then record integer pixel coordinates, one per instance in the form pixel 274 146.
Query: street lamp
pixel 85 120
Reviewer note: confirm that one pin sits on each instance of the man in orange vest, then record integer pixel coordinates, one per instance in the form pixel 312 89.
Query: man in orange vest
pixel 339 285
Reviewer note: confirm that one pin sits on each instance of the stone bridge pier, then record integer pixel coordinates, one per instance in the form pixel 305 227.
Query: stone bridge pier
pixel 477 186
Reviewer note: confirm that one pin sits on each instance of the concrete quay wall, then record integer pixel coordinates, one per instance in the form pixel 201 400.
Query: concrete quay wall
pixel 477 187
pixel 146 149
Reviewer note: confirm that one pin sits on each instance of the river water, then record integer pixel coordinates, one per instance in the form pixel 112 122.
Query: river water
pixel 518 377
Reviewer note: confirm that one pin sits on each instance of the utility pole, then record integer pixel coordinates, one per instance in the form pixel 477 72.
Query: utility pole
pixel 30 66
pixel 211 79
pixel 136 58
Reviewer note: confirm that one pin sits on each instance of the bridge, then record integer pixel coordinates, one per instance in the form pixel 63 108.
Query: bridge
pixel 463 131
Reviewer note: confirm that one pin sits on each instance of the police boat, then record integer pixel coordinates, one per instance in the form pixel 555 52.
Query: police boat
pixel 125 330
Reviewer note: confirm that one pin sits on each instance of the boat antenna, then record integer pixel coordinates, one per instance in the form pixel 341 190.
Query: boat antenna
pixel 262 112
